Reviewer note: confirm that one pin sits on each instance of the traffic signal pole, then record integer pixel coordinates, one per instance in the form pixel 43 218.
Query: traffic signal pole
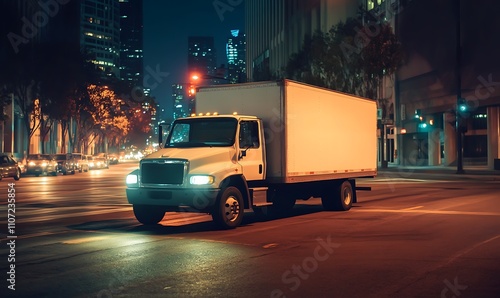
pixel 459 118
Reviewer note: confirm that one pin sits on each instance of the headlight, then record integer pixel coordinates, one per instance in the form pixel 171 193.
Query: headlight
pixel 44 164
pixel 131 179
pixel 31 163
pixel 201 180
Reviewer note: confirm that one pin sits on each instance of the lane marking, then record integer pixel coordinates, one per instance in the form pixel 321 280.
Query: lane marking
pixel 413 208
pixel 466 251
pixel 479 213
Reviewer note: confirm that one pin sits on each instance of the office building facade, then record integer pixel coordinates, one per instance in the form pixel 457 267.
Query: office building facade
pixel 236 57
pixel 100 33
pixel 446 75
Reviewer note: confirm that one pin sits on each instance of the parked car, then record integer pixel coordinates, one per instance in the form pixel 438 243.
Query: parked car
pixel 39 164
pixel 82 162
pixel 66 163
pixel 97 162
pixel 9 167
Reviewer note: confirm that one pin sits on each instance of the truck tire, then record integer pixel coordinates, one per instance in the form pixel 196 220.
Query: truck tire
pixel 341 199
pixel 228 210
pixel 148 214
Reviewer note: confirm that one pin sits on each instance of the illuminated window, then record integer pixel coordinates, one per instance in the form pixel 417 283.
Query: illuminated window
pixel 370 4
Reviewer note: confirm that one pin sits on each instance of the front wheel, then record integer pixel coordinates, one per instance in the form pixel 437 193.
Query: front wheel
pixel 340 198
pixel 18 174
pixel 228 210
pixel 148 214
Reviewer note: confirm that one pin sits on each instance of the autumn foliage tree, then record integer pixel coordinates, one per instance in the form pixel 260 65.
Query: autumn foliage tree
pixel 109 119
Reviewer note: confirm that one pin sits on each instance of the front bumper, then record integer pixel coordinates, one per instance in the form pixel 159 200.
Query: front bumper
pixel 199 199
pixel 39 170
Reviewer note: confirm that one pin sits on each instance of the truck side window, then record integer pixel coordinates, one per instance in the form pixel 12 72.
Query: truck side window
pixel 249 134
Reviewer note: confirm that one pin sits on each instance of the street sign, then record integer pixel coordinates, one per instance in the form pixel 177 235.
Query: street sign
pixel 379 114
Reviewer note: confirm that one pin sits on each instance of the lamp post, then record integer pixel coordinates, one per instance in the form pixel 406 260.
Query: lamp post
pixel 459 104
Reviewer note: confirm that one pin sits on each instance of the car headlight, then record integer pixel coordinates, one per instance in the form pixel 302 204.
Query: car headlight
pixel 31 163
pixel 201 179
pixel 44 164
pixel 132 179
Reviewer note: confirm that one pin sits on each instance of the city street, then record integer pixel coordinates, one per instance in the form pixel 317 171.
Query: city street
pixel 412 235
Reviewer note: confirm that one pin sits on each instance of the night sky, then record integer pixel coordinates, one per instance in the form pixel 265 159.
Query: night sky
pixel 167 25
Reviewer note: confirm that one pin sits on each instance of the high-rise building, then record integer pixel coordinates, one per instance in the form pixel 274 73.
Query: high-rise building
pixel 183 102
pixel 276 29
pixel 131 42
pixel 236 57
pixel 100 33
pixel 202 56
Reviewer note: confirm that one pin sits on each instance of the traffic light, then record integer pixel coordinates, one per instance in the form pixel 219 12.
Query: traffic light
pixel 192 91
pixel 462 105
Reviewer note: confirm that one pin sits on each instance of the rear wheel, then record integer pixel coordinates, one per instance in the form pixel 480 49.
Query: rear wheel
pixel 228 210
pixel 338 199
pixel 148 214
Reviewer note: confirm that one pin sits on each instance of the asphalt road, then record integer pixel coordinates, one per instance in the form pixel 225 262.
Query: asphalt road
pixel 415 235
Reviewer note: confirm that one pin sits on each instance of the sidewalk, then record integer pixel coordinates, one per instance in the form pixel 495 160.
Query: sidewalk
pixel 447 170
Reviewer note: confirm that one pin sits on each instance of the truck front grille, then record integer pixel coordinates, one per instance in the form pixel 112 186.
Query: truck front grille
pixel 162 172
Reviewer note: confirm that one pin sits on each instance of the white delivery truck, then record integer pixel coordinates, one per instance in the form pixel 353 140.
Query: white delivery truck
pixel 258 144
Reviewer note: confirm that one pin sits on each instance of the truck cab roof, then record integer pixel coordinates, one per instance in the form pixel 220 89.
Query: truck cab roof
pixel 215 115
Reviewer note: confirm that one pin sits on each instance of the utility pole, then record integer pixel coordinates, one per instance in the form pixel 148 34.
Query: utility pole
pixel 459 118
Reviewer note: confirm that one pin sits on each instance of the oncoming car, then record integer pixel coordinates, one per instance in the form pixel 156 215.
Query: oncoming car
pixel 39 164
pixel 96 162
pixel 82 162
pixel 66 164
pixel 9 167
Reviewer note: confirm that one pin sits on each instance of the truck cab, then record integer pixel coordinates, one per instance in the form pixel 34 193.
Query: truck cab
pixel 205 165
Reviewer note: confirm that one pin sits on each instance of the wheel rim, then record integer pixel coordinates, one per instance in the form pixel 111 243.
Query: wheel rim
pixel 346 196
pixel 231 208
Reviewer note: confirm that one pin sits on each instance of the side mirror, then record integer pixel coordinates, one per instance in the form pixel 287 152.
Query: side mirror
pixel 163 130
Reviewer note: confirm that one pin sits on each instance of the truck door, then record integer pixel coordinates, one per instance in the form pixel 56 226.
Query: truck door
pixel 251 150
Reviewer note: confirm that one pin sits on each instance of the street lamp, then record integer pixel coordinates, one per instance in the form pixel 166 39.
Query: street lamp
pixel 460 105
pixel 196 78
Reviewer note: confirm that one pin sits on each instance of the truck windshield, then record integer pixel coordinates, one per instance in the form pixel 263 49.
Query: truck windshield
pixel 202 132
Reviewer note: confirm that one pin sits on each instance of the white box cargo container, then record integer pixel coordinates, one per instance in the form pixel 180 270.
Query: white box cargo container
pixel 311 133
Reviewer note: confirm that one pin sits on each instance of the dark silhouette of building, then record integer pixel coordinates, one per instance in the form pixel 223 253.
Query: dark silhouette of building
pixel 202 57
pixel 131 42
